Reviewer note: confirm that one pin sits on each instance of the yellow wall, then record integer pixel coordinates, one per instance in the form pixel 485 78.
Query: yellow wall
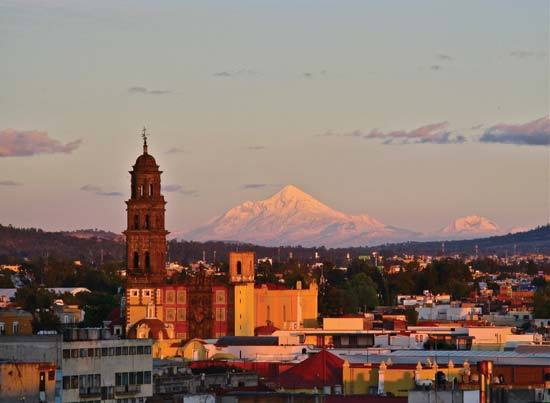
pixel 397 381
pixel 23 380
pixel 244 309
pixel 23 318
pixel 286 306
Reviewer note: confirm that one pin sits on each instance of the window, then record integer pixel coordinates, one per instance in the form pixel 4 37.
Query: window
pixel 181 297
pixel 220 314
pixel 170 314
pixel 15 327
pixel 147 221
pixel 90 352
pixel 146 349
pixel 220 297
pixel 66 382
pixel 74 382
pixel 132 350
pixel 132 378
pixel 136 221
pixel 135 293
pixel 136 260
pixel 170 296
pixel 139 350
pixel 74 353
pixel 66 353
pixel 147 260
pixel 125 350
pixel 139 378
pixel 150 189
pixel 239 268
pixel 147 377
pixel 97 352
pixel 2 328
pixel 83 352
pixel 141 190
pixel 181 315
pixel 104 351
pixel 118 351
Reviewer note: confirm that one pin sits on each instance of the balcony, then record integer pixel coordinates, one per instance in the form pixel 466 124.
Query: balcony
pixel 123 390
pixel 90 391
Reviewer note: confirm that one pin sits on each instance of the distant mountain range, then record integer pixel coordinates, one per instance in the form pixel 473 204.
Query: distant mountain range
pixel 33 243
pixel 293 217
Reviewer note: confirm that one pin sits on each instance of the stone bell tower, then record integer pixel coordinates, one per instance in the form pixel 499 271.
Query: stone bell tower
pixel 146 246
pixel 145 233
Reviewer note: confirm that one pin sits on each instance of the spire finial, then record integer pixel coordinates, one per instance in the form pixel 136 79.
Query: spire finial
pixel 144 136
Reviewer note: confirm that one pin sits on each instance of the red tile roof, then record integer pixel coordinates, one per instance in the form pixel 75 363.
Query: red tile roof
pixel 318 370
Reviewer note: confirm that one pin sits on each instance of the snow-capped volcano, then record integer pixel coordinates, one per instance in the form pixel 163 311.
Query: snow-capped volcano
pixel 472 226
pixel 293 217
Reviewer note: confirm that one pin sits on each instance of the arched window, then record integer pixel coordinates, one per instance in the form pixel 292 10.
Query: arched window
pixel 136 221
pixel 147 221
pixel 147 261
pixel 239 268
pixel 136 260
pixel 141 190
pixel 150 189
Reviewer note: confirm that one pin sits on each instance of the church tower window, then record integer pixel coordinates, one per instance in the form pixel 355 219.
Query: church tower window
pixel 136 221
pixel 136 260
pixel 150 189
pixel 239 268
pixel 147 221
pixel 147 261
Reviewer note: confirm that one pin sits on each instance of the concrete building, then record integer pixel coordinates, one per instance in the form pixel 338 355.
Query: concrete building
pixel 91 364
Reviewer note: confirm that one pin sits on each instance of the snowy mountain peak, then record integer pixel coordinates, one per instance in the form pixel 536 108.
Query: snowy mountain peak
pixel 293 217
pixel 473 225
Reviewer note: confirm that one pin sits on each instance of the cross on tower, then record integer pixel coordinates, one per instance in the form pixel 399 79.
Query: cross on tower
pixel 144 135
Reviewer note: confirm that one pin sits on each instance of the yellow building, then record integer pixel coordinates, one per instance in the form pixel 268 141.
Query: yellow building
pixel 30 382
pixel 286 308
pixel 272 304
pixel 241 275
pixel 15 321
pixel 396 379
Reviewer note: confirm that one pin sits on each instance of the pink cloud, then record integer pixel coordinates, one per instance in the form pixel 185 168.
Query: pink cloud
pixel 21 143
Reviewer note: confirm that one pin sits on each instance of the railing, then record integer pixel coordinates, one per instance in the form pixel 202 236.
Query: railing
pixel 90 391
pixel 127 389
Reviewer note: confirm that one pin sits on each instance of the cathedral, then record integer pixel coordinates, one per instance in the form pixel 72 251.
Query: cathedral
pixel 198 307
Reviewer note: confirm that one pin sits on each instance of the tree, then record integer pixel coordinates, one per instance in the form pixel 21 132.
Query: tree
pixel 364 292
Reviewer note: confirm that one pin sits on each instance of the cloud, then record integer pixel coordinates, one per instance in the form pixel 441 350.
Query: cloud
pixel 146 91
pixel 527 54
pixel 97 190
pixel 256 148
pixel 444 57
pixel 9 183
pixel 308 74
pixel 241 73
pixel 21 143
pixel 180 189
pixel 435 133
pixel 534 133
pixel 254 185
pixel 175 150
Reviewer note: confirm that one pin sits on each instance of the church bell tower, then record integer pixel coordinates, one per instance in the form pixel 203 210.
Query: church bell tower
pixel 145 233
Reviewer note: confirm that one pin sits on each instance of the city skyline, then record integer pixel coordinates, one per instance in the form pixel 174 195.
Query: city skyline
pixel 416 132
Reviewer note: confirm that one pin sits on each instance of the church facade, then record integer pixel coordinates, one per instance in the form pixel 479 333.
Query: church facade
pixel 198 307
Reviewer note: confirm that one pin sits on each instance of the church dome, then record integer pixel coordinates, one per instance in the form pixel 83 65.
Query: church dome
pixel 149 328
pixel 145 162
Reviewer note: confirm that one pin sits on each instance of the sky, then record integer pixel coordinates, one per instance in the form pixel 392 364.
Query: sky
pixel 415 113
